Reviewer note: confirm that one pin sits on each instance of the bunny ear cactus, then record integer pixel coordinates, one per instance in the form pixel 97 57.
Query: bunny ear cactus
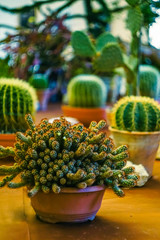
pixel 105 53
pixel 140 114
pixel 86 91
pixel 149 78
pixel 52 156
pixel 17 98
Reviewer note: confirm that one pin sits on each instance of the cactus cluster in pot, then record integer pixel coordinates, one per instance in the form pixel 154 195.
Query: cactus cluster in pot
pixel 51 156
pixel 17 98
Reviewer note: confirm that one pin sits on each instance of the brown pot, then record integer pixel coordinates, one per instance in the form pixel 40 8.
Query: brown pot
pixel 70 205
pixel 7 140
pixel 85 115
pixel 142 146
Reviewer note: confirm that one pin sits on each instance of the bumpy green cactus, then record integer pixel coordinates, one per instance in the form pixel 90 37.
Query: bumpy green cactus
pixel 17 98
pixel 39 81
pixel 105 53
pixel 149 78
pixel 136 114
pixel 51 156
pixel 86 91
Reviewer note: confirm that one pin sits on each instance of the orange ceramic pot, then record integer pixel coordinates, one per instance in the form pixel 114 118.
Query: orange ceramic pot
pixel 7 140
pixel 70 205
pixel 142 146
pixel 85 115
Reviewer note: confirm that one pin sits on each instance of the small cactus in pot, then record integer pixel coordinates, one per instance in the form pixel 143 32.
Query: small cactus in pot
pixel 53 156
pixel 87 96
pixel 136 120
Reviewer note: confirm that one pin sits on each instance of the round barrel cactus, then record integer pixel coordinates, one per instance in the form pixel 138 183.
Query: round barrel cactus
pixel 86 91
pixel 136 114
pixel 39 81
pixel 149 81
pixel 17 98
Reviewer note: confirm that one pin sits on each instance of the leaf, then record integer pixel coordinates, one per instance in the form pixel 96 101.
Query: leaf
pixel 134 20
pixel 82 44
pixel 110 58
pixel 103 39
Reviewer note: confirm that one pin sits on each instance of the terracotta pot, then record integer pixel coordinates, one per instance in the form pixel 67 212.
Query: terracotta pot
pixel 70 205
pixel 7 140
pixel 143 146
pixel 85 115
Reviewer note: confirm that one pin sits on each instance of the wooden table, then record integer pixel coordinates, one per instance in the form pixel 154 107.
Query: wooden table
pixel 134 217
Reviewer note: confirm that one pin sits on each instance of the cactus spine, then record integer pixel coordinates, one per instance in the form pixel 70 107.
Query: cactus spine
pixel 86 91
pixel 136 114
pixel 149 78
pixel 51 156
pixel 39 81
pixel 17 99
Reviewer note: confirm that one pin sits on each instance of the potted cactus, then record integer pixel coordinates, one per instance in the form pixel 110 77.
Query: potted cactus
pixel 40 83
pixel 86 95
pixel 62 165
pixel 136 121
pixel 17 99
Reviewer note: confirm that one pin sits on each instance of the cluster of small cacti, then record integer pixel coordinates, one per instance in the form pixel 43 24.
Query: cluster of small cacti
pixel 39 81
pixel 55 155
pixel 106 53
pixel 149 78
pixel 136 114
pixel 86 91
pixel 17 98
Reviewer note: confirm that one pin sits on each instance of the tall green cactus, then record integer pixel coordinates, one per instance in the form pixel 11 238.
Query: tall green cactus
pixel 39 81
pixel 86 91
pixel 17 98
pixel 106 53
pixel 133 113
pixel 149 78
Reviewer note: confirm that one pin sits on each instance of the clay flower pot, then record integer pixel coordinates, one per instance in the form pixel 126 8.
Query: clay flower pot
pixel 70 205
pixel 85 115
pixel 143 146
pixel 7 140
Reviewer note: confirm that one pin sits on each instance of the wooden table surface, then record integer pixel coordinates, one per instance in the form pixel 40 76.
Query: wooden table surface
pixel 134 217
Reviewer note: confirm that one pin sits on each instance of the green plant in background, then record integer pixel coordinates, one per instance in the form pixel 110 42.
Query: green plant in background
pixel 149 78
pixel 17 98
pixel 51 156
pixel 106 54
pixel 38 81
pixel 135 113
pixel 86 91
pixel 5 69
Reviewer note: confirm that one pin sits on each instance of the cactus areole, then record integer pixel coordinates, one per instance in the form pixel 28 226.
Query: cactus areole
pixel 51 156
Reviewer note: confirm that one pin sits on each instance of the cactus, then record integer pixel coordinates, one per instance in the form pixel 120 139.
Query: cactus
pixel 105 53
pixel 17 98
pixel 149 78
pixel 39 81
pixel 86 91
pixel 46 163
pixel 136 114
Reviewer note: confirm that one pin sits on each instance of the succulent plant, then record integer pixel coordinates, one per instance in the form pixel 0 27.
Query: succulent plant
pixel 17 98
pixel 39 81
pixel 106 53
pixel 86 91
pixel 149 78
pixel 136 114
pixel 51 156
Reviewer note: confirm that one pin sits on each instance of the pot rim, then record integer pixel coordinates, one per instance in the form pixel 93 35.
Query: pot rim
pixel 83 108
pixel 132 132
